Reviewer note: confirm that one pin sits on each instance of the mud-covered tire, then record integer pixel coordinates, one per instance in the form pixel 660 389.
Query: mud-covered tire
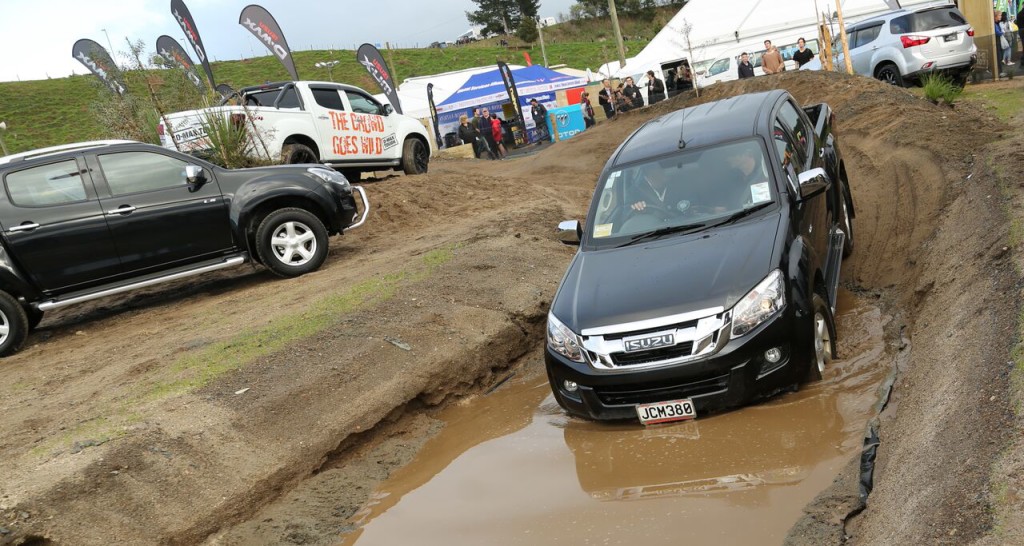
pixel 847 227
pixel 13 325
pixel 352 175
pixel 35 316
pixel 293 154
pixel 291 242
pixel 889 73
pixel 415 156
pixel 823 348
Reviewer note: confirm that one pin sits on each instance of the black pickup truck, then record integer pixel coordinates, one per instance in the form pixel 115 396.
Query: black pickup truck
pixel 708 271
pixel 89 220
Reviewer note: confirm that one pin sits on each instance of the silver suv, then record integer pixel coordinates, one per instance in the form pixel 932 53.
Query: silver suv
pixel 904 45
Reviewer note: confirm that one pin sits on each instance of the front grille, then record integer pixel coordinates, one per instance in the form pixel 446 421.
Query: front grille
pixel 660 394
pixel 654 355
pixel 665 328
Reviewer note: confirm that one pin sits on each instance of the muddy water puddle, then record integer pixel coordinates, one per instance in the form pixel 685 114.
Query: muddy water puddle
pixel 511 468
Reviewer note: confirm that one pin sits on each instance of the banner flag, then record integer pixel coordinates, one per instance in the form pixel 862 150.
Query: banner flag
pixel 188 26
pixel 369 56
pixel 98 61
pixel 171 50
pixel 513 94
pixel 433 115
pixel 257 20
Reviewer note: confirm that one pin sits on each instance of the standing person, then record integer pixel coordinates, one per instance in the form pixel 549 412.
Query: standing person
pixel 633 93
pixel 1004 41
pixel 474 122
pixel 685 77
pixel 606 98
pixel 587 109
pixel 496 130
pixel 469 135
pixel 771 60
pixel 746 70
pixel 621 101
pixel 488 134
pixel 802 55
pixel 655 88
pixel 1000 40
pixel 540 117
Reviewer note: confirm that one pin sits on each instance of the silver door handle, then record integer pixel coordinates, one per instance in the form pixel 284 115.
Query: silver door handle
pixel 125 209
pixel 23 227
pixel 323 117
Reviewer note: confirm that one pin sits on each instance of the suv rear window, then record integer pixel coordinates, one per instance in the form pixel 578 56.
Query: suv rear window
pixel 46 185
pixel 929 19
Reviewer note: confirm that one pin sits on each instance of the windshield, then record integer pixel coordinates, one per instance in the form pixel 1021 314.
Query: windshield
pixel 688 191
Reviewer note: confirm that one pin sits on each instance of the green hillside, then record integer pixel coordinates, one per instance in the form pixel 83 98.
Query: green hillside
pixel 57 111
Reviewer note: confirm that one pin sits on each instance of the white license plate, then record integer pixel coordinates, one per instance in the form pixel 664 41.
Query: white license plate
pixel 665 412
pixel 949 37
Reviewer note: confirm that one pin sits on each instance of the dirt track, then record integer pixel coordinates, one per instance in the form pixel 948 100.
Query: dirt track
pixel 114 426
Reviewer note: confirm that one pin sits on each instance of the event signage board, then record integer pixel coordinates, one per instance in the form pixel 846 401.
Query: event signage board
pixel 257 20
pixel 510 88
pixel 369 56
pixel 433 114
pixel 98 61
pixel 171 50
pixel 188 26
pixel 568 121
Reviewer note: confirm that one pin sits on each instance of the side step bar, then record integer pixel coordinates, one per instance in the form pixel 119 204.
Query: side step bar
pixel 54 304
pixel 835 262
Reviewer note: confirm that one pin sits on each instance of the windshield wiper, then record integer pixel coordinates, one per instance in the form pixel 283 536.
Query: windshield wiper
pixel 667 230
pixel 743 214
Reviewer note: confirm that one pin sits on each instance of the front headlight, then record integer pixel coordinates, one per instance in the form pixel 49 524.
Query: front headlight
pixel 330 176
pixel 563 341
pixel 760 304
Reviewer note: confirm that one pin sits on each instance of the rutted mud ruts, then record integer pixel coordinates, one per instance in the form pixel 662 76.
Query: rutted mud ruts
pixel 510 467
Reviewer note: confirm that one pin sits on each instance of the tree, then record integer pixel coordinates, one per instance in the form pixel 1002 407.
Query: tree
pixel 496 16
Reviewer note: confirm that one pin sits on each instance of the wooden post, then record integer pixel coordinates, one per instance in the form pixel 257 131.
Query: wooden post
pixel 842 38
pixel 825 47
pixel 391 65
pixel 554 126
pixel 618 33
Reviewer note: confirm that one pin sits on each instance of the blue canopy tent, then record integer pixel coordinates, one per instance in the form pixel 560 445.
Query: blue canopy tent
pixel 487 90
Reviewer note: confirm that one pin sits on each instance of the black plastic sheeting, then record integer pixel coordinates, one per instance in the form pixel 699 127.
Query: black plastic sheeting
pixel 867 461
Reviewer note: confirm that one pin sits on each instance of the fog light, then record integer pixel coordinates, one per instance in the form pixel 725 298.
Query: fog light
pixel 773 355
pixel 570 386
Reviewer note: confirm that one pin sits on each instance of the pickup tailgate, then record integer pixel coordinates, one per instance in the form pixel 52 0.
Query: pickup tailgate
pixel 187 128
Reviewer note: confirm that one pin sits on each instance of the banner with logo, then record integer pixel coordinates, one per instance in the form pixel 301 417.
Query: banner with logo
pixel 568 121
pixel 98 61
pixel 188 26
pixel 171 50
pixel 369 56
pixel 433 115
pixel 510 88
pixel 257 20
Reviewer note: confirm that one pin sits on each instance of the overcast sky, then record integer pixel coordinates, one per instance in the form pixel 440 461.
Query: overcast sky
pixel 36 35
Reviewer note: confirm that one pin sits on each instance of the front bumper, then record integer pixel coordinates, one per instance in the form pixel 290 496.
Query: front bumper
pixel 733 375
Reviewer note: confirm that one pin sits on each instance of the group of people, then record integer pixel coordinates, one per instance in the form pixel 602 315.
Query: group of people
pixel 627 96
pixel 1004 35
pixel 772 61
pixel 485 132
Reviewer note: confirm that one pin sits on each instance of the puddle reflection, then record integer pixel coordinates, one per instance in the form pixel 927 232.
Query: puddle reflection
pixel 511 468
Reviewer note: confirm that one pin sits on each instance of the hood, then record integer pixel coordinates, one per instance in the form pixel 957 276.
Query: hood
pixel 666 277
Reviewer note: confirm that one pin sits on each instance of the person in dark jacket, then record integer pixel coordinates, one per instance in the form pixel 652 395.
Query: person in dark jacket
pixel 540 117
pixel 606 97
pixel 746 70
pixel 470 135
pixel 636 98
pixel 655 88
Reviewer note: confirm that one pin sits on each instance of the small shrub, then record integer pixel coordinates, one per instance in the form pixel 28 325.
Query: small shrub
pixel 231 145
pixel 940 88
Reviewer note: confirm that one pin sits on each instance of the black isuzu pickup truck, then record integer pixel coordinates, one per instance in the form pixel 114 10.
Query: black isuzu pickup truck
pixel 88 220
pixel 708 269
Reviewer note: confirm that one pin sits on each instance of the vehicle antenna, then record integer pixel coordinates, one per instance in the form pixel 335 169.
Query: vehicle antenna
pixel 682 125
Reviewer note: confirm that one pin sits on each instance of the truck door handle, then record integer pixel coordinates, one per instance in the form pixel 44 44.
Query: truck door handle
pixel 322 117
pixel 28 226
pixel 123 209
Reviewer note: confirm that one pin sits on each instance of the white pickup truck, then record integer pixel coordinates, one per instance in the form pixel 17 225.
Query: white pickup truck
pixel 313 122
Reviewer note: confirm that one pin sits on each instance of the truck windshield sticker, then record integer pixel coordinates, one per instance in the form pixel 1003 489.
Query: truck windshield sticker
pixel 602 230
pixel 759 193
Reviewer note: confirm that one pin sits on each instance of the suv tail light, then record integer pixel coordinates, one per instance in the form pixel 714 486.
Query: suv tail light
pixel 911 41
pixel 970 32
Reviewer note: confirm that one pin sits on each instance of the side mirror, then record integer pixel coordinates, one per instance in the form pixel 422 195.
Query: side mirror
pixel 570 232
pixel 386 110
pixel 195 176
pixel 700 72
pixel 813 182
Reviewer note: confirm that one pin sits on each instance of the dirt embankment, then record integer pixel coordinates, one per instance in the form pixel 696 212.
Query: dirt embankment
pixel 174 415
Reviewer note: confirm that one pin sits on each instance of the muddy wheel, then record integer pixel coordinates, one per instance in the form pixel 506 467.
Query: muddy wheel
pixel 415 156
pixel 847 226
pixel 291 242
pixel 293 154
pixel 823 338
pixel 352 175
pixel 34 317
pixel 13 324
pixel 889 74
